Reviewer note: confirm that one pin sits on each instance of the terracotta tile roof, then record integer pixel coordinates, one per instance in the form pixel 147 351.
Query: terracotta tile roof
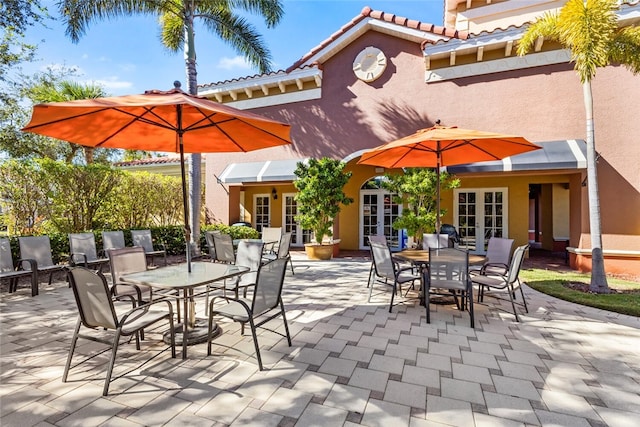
pixel 367 12
pixel 245 78
pixel 149 161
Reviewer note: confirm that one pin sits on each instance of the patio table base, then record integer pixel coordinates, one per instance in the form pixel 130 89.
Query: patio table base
pixel 195 335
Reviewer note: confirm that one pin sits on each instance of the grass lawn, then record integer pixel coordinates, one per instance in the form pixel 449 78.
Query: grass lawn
pixel 570 286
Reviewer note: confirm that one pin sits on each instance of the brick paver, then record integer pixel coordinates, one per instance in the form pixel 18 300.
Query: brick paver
pixel 351 363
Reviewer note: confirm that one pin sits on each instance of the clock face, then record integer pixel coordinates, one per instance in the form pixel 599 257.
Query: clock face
pixel 369 64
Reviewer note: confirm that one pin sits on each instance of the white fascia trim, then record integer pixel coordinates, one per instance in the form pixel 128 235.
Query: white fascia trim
pixel 498 66
pixel 484 40
pixel 285 98
pixel 605 252
pixel 256 82
pixel 376 25
pixel 504 7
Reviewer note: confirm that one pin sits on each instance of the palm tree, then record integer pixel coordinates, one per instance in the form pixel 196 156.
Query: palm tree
pixel 177 19
pixel 66 90
pixel 589 30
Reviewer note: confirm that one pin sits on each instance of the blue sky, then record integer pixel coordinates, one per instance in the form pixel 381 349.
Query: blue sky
pixel 125 55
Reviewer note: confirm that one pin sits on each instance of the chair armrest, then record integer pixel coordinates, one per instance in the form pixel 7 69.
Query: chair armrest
pixel 145 307
pixel 72 259
pixel 33 264
pixel 494 268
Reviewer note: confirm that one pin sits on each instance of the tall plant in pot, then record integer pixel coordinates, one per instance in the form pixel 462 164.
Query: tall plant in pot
pixel 320 184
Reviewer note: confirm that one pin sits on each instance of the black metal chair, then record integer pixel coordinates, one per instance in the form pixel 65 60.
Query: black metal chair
pixel 487 279
pixel 265 305
pixel 97 312
pixel 449 270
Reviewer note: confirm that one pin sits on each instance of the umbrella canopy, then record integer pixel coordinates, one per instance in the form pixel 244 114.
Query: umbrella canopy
pixel 445 146
pixel 172 121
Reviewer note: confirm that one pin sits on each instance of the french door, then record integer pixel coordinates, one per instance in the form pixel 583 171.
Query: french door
pixel 299 236
pixel 262 205
pixel 480 214
pixel 378 211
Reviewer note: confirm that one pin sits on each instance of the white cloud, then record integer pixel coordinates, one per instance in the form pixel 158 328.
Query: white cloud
pixel 128 67
pixel 113 84
pixel 235 63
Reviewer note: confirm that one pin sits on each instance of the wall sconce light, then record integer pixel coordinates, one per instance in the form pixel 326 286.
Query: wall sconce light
pixel 274 193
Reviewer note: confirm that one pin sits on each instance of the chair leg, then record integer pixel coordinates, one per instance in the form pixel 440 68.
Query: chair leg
pixel 370 276
pixel 284 319
pixel 524 301
pixel 255 342
pixel 172 331
pixel 291 263
pixel 74 340
pixel 393 294
pixel 426 302
pixel 511 291
pixel 114 350
pixel 470 299
pixel 34 283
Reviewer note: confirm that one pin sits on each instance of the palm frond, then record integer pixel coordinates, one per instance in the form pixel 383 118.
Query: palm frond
pixel 271 10
pixel 241 36
pixel 545 26
pixel 172 31
pixel 625 48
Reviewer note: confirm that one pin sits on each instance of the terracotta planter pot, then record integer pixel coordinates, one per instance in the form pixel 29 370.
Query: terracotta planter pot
pixel 321 252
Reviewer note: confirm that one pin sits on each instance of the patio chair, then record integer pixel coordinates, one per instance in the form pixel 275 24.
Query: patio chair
pixel 249 254
pixel 284 247
pixel 508 282
pixel 38 248
pixel 112 240
pixel 265 305
pixel 498 256
pixel 435 241
pixel 380 239
pixel 208 238
pixel 83 251
pixel 388 271
pixel 449 270
pixel 271 236
pixel 97 312
pixel 223 244
pixel 143 238
pixel 14 272
pixel 124 261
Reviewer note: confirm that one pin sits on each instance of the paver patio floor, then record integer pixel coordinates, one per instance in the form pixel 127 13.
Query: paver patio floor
pixel 352 363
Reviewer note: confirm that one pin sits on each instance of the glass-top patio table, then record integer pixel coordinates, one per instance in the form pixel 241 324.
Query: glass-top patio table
pixel 420 258
pixel 177 277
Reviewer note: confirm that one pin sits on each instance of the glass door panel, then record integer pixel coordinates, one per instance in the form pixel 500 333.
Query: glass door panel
pixel 479 215
pixel 263 211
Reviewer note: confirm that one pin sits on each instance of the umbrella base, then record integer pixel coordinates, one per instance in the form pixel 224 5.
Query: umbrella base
pixel 195 335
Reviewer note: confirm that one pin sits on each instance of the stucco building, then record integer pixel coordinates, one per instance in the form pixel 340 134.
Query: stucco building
pixel 381 77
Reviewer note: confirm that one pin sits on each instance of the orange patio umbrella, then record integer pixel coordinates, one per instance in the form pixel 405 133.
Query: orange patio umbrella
pixel 445 146
pixel 171 121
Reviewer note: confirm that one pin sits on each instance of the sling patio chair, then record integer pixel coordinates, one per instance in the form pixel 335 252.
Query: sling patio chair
pixel 507 282
pixel 38 248
pixel 13 272
pixel 208 238
pixel 435 241
pixel 83 251
pixel 449 270
pixel 284 246
pixel 388 271
pixel 264 306
pixel 498 256
pixel 112 240
pixel 223 244
pixel 97 312
pixel 271 238
pixel 144 239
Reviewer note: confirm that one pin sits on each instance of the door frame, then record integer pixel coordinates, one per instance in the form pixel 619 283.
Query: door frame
pixel 479 227
pixel 381 193
pixel 255 210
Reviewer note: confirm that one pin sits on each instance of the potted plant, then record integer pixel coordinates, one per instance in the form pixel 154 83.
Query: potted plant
pixel 417 188
pixel 320 184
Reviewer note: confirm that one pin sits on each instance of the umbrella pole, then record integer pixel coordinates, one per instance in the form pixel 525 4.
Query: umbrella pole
pixel 185 202
pixel 438 189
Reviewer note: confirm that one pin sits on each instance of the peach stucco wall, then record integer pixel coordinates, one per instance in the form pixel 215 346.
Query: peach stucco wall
pixel 541 104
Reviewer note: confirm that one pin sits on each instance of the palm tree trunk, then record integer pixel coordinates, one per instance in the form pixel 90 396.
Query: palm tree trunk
pixel 195 174
pixel 598 275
